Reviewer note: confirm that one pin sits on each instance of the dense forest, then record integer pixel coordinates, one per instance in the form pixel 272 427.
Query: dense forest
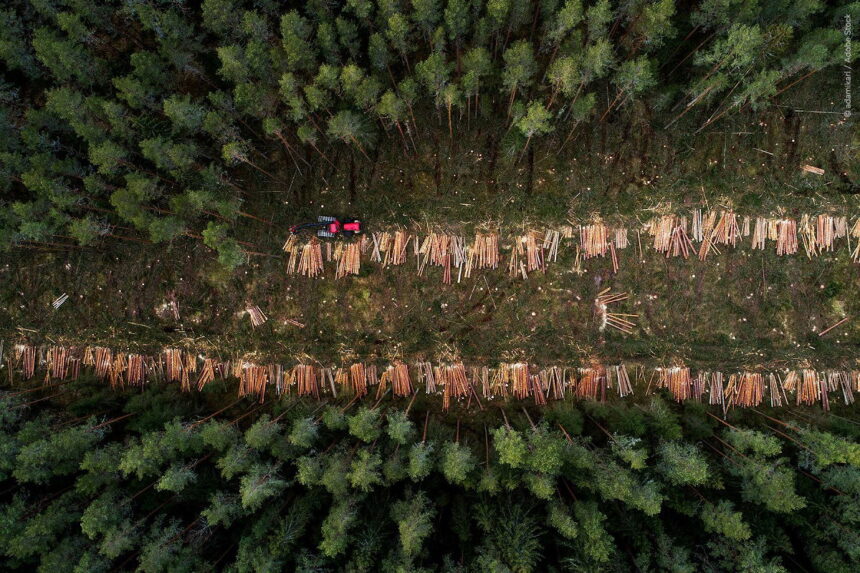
pixel 143 121
pixel 160 480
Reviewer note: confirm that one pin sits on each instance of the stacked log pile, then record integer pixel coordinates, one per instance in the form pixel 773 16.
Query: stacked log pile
pixel 453 381
pixel 441 250
pixel 348 257
pixel 617 320
pixel 258 318
pixel 592 383
pixel 674 235
pixel 527 255
pixel 483 253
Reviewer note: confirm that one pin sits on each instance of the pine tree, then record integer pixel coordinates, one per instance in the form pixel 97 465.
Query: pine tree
pixel 420 460
pixel 335 474
pixel 303 432
pixel 261 483
pixel 263 433
pixel 60 454
pixel 536 121
pixel 349 127
pixel 176 478
pixel 230 254
pixel 335 529
pixel 295 36
pixel 628 449
pixel 400 428
pixel 723 520
pixel 237 460
pixel 559 517
pixel 364 471
pixel 334 419
pixel 457 462
pixel 682 464
pixel 520 69
pixel 224 509
pixel 414 518
pixel 365 424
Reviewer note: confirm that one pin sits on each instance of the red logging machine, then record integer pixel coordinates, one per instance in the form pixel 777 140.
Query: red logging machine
pixel 330 227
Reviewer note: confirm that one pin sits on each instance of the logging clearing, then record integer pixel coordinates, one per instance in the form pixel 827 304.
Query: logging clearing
pixel 511 286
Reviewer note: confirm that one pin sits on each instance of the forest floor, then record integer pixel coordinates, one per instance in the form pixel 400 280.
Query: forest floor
pixel 738 309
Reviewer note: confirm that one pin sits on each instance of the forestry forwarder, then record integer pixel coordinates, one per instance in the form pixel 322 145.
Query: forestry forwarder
pixel 330 227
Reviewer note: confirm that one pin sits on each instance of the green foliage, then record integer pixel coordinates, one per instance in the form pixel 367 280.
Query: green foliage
pixel 754 442
pixel 260 484
pixel 542 486
pixel 536 121
pixel 156 494
pixel 309 470
pixel 682 464
pixel 364 471
pixel 830 449
pixel 510 446
pixel 663 421
pixel 262 434
pixel 131 89
pixel 335 475
pixel 433 73
pixel 57 455
pixel 489 481
pixel 559 518
pixel 564 75
pixel 335 529
pixel 162 551
pixel 349 127
pixel 106 518
pixel 511 536
pixel 165 229
pixel 628 449
pixel 477 65
pixel 333 418
pixel 186 115
pixel 414 518
pixel 594 542
pixel 67 60
pixel 545 451
pixel 723 520
pixel 176 478
pixel 520 66
pixel 770 484
pixel 614 482
pixel 420 460
pixel 236 460
pixel 100 468
pixel 394 467
pixel 457 462
pixel 155 449
pixel 218 435
pixel 303 433
pixel 42 531
pixel 107 156
pixel 223 509
pixel 230 255
pixel 399 428
pixel 843 478
pixel 365 424
pixel 85 231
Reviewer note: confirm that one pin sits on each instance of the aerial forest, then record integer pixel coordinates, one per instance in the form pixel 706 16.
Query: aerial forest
pixel 453 286
pixel 154 121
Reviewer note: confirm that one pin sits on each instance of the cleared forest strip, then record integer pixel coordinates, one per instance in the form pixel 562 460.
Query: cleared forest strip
pixel 450 379
pixel 697 234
